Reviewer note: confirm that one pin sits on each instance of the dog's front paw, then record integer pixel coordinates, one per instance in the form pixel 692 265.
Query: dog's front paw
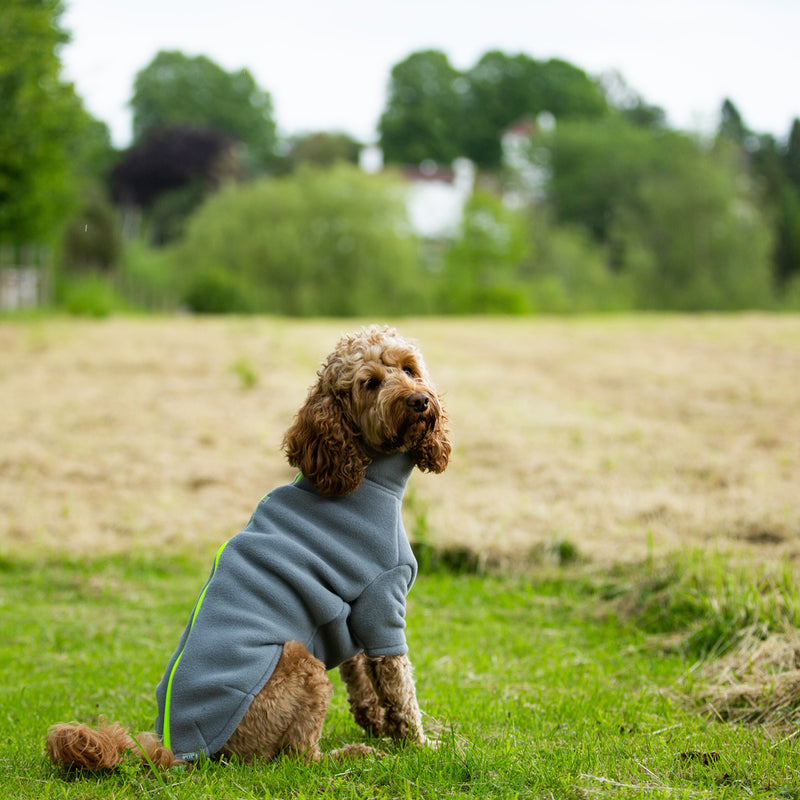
pixel 372 718
pixel 400 727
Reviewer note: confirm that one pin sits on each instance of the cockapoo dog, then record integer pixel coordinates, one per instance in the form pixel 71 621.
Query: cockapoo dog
pixel 317 579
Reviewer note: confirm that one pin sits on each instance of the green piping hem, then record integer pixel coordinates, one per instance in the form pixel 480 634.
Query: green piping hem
pixel 168 698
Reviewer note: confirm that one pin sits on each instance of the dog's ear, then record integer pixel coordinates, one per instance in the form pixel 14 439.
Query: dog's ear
pixel 322 444
pixel 433 452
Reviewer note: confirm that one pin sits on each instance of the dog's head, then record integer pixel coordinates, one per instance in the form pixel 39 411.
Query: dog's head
pixel 372 394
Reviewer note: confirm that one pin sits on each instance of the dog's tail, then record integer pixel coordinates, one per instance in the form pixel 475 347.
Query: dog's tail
pixel 74 745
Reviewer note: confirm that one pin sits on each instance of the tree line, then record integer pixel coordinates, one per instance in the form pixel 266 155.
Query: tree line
pixel 599 206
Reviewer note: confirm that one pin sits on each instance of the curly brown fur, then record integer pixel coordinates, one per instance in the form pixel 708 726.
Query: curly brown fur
pixel 364 704
pixel 372 394
pixel 75 745
pixel 393 681
pixel 287 714
pixel 382 696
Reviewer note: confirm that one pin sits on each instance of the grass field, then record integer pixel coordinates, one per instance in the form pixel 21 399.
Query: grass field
pixel 622 436
pixel 630 484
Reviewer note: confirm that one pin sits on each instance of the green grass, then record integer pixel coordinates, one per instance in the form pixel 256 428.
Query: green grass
pixel 540 685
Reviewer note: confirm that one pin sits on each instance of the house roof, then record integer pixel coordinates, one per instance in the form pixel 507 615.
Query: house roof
pixel 428 172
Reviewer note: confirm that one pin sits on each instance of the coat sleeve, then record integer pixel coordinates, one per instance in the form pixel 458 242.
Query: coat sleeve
pixel 377 620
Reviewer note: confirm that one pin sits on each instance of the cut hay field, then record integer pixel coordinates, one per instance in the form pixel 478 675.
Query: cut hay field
pixel 620 436
pixel 130 448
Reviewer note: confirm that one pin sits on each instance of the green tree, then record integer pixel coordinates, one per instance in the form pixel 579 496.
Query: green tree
pixel 91 237
pixel 176 89
pixel 683 223
pixel 594 169
pixel 731 124
pixel 436 112
pixel 792 155
pixel 322 149
pixel 331 242
pixel 41 118
pixel 775 173
pixel 423 114
pixel 170 172
pixel 627 102
pixel 769 170
pixel 503 89
pixel 693 247
pixel 92 240
pixel 789 226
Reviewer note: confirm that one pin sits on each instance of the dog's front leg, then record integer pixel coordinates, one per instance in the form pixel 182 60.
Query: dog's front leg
pixel 393 681
pixel 364 704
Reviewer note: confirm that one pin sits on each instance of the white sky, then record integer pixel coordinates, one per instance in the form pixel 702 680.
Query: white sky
pixel 326 63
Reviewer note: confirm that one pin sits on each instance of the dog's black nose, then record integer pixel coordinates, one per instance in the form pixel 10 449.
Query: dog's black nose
pixel 418 402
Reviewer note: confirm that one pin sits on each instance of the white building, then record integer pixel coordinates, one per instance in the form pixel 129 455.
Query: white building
pixel 436 195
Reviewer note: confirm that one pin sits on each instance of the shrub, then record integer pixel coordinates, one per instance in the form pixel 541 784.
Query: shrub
pixel 483 267
pixel 90 296
pixel 147 276
pixel 570 273
pixel 681 222
pixel 331 242
pixel 504 262
pixel 215 291
pixel 694 242
pixel 790 300
pixel 92 239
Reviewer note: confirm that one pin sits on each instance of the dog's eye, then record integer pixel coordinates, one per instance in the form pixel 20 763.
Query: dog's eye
pixel 409 371
pixel 371 384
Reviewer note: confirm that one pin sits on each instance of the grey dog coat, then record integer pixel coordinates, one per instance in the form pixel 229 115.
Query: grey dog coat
pixel 332 573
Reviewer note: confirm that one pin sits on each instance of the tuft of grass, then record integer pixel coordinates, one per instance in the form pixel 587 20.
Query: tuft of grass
pixel 707 600
pixel 756 683
pixel 564 551
pixel 91 296
pixel 248 376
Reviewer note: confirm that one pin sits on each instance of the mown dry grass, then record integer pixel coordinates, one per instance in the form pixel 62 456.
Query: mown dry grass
pixel 619 435
pixel 757 683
